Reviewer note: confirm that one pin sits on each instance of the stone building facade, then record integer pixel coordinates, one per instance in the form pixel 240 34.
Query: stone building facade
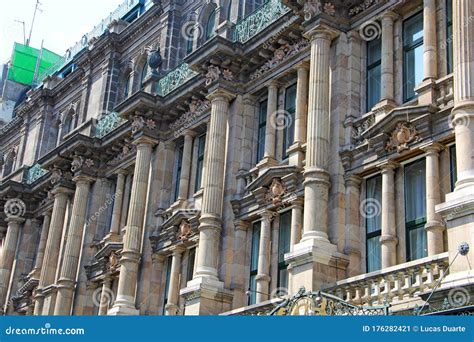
pixel 212 157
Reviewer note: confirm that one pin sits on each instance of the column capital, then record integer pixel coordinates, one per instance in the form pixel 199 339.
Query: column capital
pixel 273 84
pixel 241 225
pixel 353 180
pixel 177 250
pixel 14 220
pixel 122 172
pixel 157 258
pixel 388 165
pixel 304 65
pixel 267 215
pixel 297 203
pixel 389 15
pixel 321 31
pixel 144 140
pixel 249 99
pixel 189 133
pixel 432 147
pixel 61 191
pixel 82 178
pixel 220 94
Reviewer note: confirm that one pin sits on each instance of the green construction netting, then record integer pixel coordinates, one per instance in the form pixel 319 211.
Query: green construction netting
pixel 24 61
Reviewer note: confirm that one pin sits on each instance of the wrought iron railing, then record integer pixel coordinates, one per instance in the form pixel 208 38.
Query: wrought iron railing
pixel 97 31
pixel 108 123
pixel 256 22
pixel 175 79
pixel 34 173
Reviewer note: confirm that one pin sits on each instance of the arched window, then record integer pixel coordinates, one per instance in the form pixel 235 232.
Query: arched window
pixel 211 25
pixel 144 74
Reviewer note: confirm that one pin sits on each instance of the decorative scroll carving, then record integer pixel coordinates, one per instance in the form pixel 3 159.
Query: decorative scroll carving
pixel 113 262
pixel 196 109
pixel 361 127
pixel 214 73
pixel 79 162
pixel 279 56
pixel 56 175
pixel 362 7
pixel 404 134
pixel 139 123
pixel 313 8
pixel 127 150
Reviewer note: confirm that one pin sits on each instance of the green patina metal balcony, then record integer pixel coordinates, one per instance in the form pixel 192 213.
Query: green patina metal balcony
pixel 108 123
pixel 256 22
pixel 175 79
pixel 34 173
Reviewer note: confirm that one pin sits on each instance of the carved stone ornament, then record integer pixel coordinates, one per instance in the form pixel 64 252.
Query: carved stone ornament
pixel 214 73
pixel 276 191
pixel 362 7
pixel 196 109
pixel 56 175
pixel 139 123
pixel 313 8
pixel 185 230
pixel 113 262
pixel 127 150
pixel 404 134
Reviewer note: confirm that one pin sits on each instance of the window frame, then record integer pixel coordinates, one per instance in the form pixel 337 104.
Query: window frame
pixel 289 130
pixel 374 234
pixel 191 262
pixel 453 168
pixel 179 166
pixel 210 32
pixel 254 252
pixel 282 264
pixel 408 48
pixel 200 162
pixel 369 68
pixel 261 129
pixel 449 37
pixel 167 282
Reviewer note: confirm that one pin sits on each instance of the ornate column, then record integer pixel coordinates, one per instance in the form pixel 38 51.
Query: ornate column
pixel 270 129
pixel 42 245
pixel 206 286
pixel 71 260
pixel 186 166
pixel 263 270
pixel 114 233
pixel 386 68
pixel 388 239
pixel 458 210
pixel 173 288
pixel 51 252
pixel 296 222
pixel 8 256
pixel 434 224
pixel 301 112
pixel 352 228
pixel 125 302
pixel 105 296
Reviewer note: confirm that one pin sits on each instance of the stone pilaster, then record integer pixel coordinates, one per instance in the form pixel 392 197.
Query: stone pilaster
pixel 67 277
pixel 117 209
pixel 42 245
pixel 301 112
pixel 263 270
pixel 352 228
pixel 458 209
pixel 238 275
pixel 388 239
pixel 186 166
pixel 8 257
pixel 212 297
pixel 125 302
pixel 51 252
pixel 172 307
pixel 269 158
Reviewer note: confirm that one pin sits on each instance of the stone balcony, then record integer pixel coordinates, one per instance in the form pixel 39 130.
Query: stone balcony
pixel 401 286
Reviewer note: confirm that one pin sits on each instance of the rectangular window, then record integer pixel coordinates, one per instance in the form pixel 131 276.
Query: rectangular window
pixel 452 166
pixel 262 124
pixel 374 60
pixel 167 283
pixel 178 172
pixel 449 34
pixel 283 248
pixel 200 162
pixel 254 263
pixel 412 55
pixel 191 260
pixel 415 210
pixel 373 222
pixel 289 123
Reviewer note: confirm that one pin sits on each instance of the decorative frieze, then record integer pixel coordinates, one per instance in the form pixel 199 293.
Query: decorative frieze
pixel 362 7
pixel 196 109
pixel 313 8
pixel 404 134
pixel 361 127
pixel 139 123
pixel 214 73
pixel 79 162
pixel 279 56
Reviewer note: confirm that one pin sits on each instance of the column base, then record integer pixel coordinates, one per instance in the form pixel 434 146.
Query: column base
pixel 123 310
pixel 49 302
pixel 206 296
pixel 315 264
pixel 458 213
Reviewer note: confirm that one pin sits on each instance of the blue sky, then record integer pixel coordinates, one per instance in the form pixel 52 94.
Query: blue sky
pixel 61 22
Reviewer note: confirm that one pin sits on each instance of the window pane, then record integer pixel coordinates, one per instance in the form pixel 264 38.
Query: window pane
pixel 413 29
pixel 262 124
pixel 200 161
pixel 373 254
pixel 211 22
pixel 284 236
pixel 453 166
pixel 191 259
pixel 373 205
pixel 255 247
pixel 289 124
pixel 417 248
pixel 413 70
pixel 374 51
pixel 178 172
pixel 373 86
pixel 415 191
pixel 253 289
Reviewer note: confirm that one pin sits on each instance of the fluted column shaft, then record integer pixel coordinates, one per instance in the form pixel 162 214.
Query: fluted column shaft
pixel 270 129
pixel 118 202
pixel 296 223
pixel 105 296
pixel 388 240
pixel 173 288
pixel 67 277
pixel 317 151
pixel 430 50
pixel 213 184
pixel 133 231
pixel 301 110
pixel 8 257
pixel 42 245
pixel 263 270
pixel 186 166
pixel 434 224
pixel 463 112
pixel 51 252
pixel 386 64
